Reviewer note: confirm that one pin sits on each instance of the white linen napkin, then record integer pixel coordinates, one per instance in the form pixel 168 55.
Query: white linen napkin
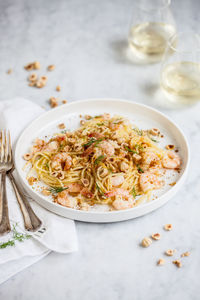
pixel 60 235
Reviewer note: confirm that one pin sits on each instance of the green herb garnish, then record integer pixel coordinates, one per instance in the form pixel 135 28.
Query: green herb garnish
pixel 133 192
pixel 16 236
pixel 93 141
pixel 99 190
pixel 138 131
pixel 153 140
pixel 140 170
pixel 64 131
pixel 56 190
pixel 98 159
pixel 100 124
pixel 47 165
pixel 130 150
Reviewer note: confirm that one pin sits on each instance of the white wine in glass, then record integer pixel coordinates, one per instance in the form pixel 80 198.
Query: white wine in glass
pixel 151 37
pixel 182 79
pixel 151 28
pixel 180 73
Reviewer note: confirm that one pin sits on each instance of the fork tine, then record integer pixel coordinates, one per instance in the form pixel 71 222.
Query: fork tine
pixel 9 147
pixel 5 147
pixel 2 148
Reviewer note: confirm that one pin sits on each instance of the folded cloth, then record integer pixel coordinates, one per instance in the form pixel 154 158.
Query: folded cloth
pixel 60 234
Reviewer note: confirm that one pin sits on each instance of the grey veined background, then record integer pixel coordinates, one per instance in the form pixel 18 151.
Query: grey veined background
pixel 85 40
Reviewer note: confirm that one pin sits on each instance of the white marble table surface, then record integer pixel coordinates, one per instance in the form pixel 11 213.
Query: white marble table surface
pixel 86 40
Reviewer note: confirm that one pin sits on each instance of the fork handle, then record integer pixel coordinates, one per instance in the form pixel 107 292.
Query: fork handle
pixel 31 221
pixel 4 217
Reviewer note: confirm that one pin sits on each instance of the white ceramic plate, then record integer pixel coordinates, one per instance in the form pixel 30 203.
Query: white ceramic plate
pixel 143 116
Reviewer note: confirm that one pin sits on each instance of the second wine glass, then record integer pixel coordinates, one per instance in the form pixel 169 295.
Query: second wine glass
pixel 152 26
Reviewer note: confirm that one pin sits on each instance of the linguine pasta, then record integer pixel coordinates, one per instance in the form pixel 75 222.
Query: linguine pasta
pixel 105 161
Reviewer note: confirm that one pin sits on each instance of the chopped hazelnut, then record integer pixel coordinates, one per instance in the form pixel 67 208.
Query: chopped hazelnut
pixel 9 71
pixel 53 102
pixel 32 77
pixel 64 101
pixel 160 262
pixel 40 84
pixel 36 65
pixel 32 83
pixel 29 67
pixel 27 156
pixel 168 227
pixel 87 117
pixel 185 254
pixel 62 126
pixel 156 236
pixel 31 180
pixel 170 252
pixel 146 242
pixel 43 79
pixel 46 192
pixel 177 263
pixel 58 88
pixel 82 122
pixel 51 67
pixel 154 131
pixel 170 147
pixel 32 66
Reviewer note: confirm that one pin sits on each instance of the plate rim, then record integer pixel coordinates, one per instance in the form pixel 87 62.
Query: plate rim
pixel 167 194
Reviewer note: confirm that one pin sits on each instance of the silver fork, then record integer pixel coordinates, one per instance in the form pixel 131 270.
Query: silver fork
pixel 31 221
pixel 5 165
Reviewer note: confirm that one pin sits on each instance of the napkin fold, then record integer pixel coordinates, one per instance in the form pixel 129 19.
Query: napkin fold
pixel 60 234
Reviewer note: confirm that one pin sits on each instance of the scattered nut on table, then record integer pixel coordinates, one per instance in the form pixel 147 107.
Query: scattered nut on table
pixel 146 242
pixel 51 67
pixel 177 263
pixel 62 126
pixel 187 253
pixel 170 252
pixel 161 262
pixel 168 227
pixel 156 236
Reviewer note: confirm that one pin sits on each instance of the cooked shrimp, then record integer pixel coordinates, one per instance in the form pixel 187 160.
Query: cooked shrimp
pixel 149 181
pixel 50 146
pixel 60 159
pixel 65 200
pixel 124 166
pixel 149 159
pixel 123 200
pixel 74 187
pixel 117 180
pixel 171 160
pixel 120 204
pixel 107 148
pixel 86 193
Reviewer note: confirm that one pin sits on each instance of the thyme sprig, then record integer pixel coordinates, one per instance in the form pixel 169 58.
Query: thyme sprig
pixel 98 159
pixel 56 190
pixel 16 236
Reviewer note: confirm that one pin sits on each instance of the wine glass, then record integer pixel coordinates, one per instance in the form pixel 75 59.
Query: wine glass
pixel 152 26
pixel 180 72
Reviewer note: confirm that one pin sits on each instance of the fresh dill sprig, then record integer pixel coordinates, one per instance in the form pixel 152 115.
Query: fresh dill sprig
pixel 99 190
pixel 138 131
pixel 133 192
pixel 16 236
pixel 130 150
pixel 98 159
pixel 152 139
pixel 92 141
pixel 140 169
pixel 63 131
pixel 56 190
